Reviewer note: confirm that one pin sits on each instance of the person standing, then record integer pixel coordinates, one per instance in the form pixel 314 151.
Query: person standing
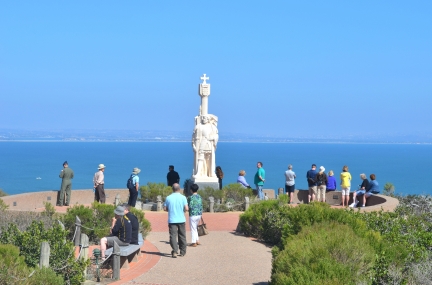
pixel 176 204
pixel 195 212
pixel 134 187
pixel 172 176
pixel 99 184
pixel 345 177
pixel 310 176
pixel 66 175
pixel 290 182
pixel 219 175
pixel 321 180
pixel 259 180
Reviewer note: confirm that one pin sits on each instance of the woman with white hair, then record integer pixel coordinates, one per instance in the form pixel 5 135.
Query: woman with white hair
pixel 360 191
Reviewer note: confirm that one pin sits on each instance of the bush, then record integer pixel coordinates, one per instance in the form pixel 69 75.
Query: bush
pixel 23 220
pixel 62 259
pixel 49 211
pixel 145 226
pixel 152 190
pixel 232 197
pixel 275 222
pixel 3 193
pixel 389 189
pixel 13 269
pixel 3 206
pixel 96 221
pixel 46 276
pixel 325 253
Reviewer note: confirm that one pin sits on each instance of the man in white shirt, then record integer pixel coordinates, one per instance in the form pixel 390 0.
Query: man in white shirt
pixel 290 182
pixel 99 184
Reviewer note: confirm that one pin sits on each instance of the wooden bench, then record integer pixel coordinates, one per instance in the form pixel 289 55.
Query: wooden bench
pixel 129 253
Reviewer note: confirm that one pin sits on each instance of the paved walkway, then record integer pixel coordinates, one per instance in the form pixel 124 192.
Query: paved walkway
pixel 223 257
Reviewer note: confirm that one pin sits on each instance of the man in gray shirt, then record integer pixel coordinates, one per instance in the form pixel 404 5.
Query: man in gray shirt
pixel 290 183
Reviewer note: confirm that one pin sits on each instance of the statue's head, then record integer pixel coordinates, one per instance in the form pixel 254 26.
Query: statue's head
pixel 204 119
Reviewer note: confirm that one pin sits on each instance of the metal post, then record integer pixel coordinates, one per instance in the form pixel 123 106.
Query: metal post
pixel 78 231
pixel 116 261
pixel 280 191
pixel 117 200
pixel 84 251
pixel 211 199
pixel 44 255
pixel 246 203
pixel 159 203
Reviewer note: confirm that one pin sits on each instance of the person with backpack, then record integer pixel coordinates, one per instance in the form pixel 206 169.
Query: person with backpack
pixel 133 186
pixel 310 176
pixel 321 180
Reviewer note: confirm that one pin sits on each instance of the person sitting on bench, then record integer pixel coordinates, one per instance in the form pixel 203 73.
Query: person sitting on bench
pixel 121 232
pixel 371 189
pixel 134 222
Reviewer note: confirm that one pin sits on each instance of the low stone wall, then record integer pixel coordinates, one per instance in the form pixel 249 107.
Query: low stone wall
pixel 334 198
pixel 33 200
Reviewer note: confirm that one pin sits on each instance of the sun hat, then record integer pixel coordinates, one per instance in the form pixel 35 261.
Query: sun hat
pixel 136 170
pixel 322 168
pixel 101 166
pixel 119 211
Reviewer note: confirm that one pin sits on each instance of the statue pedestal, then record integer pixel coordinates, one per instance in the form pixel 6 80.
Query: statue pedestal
pixel 204 182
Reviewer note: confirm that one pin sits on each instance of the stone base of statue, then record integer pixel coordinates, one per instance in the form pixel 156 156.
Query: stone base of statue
pixel 206 182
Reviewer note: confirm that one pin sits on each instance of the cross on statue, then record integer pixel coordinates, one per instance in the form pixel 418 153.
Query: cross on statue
pixel 204 78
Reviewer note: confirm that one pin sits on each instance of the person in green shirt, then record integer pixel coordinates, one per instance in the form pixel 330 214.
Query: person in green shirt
pixel 66 175
pixel 259 180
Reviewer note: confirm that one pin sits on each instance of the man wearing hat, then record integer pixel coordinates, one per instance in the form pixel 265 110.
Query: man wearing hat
pixel 66 186
pixel 121 231
pixel 99 184
pixel 134 186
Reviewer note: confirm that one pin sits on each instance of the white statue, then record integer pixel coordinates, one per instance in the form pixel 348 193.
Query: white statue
pixel 205 138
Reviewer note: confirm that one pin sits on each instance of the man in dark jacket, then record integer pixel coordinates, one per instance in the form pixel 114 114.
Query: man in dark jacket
pixel 311 179
pixel 134 222
pixel 121 231
pixel 172 176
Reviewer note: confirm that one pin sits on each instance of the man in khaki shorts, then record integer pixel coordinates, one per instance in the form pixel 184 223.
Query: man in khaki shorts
pixel 310 176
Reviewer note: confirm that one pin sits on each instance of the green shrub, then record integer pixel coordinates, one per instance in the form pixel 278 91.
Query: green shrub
pixel 23 219
pixel 62 259
pixel 49 210
pixel 46 276
pixel 85 214
pixel 3 193
pixel 13 269
pixel 206 193
pixel 152 190
pixel 145 226
pixel 325 253
pixel 3 206
pixel 388 189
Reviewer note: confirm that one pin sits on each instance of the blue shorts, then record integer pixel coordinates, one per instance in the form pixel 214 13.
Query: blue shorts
pixel 363 192
pixel 289 189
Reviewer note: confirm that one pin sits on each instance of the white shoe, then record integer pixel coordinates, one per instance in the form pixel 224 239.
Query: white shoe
pixel 353 205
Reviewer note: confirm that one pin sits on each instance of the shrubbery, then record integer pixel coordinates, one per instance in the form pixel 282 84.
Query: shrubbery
pixel 232 197
pixel 62 259
pixel 150 191
pixel 398 239
pixel 96 221
pixel 324 253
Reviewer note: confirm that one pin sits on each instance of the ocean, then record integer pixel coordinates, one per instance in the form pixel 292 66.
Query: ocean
pixel 35 166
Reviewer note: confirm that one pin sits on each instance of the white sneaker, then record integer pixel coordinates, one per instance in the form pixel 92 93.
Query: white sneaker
pixel 353 205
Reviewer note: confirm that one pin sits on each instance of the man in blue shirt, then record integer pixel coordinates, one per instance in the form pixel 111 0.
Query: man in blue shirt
pixel 176 205
pixel 133 191
pixel 311 179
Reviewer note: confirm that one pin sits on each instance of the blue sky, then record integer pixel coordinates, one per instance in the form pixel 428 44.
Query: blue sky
pixel 284 68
